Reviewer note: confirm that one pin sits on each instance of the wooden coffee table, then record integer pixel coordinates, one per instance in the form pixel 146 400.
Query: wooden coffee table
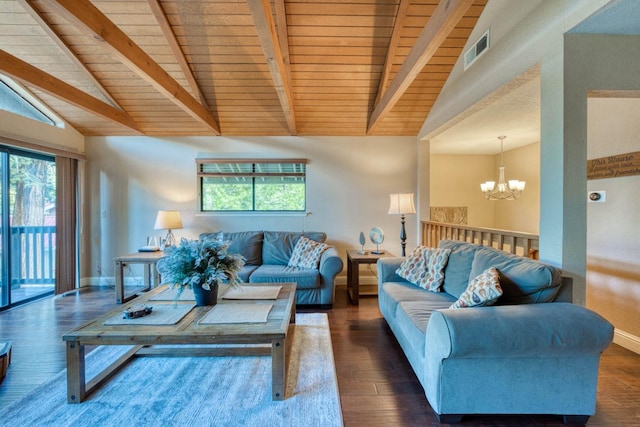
pixel 149 339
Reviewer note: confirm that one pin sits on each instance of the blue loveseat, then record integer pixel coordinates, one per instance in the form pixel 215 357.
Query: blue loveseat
pixel 267 255
pixel 532 352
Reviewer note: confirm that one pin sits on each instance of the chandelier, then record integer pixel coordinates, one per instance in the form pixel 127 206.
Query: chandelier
pixel 505 190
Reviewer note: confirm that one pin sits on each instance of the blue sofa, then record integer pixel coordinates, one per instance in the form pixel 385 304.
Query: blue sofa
pixel 267 254
pixel 532 352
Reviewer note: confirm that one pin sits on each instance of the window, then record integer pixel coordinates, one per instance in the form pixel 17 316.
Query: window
pixel 15 99
pixel 254 185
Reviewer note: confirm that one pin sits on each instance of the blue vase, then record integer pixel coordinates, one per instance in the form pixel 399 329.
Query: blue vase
pixel 205 297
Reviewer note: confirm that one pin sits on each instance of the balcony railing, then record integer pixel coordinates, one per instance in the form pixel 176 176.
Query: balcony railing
pixel 524 244
pixel 33 251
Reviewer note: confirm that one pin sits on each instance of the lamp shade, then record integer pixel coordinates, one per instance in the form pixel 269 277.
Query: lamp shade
pixel 168 220
pixel 401 204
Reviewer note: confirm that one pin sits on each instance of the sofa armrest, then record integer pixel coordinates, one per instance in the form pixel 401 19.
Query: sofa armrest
pixel 525 330
pixel 387 270
pixel 330 265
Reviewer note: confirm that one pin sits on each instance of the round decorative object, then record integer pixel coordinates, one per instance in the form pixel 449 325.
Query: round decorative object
pixel 206 297
pixel 376 235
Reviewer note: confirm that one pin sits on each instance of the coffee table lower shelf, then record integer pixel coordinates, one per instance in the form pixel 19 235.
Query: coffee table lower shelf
pixel 78 389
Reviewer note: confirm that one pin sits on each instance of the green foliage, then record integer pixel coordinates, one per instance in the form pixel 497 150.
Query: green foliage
pixel 227 197
pixel 245 196
pixel 32 186
pixel 200 262
pixel 280 197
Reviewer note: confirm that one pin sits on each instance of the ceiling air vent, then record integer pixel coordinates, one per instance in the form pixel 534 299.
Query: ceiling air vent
pixel 475 51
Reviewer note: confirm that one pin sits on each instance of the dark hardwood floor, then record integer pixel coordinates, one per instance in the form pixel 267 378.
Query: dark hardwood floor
pixel 377 385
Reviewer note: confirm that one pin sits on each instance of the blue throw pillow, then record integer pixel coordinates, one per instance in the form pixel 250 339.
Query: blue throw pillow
pixel 457 273
pixel 246 243
pixel 277 247
pixel 523 280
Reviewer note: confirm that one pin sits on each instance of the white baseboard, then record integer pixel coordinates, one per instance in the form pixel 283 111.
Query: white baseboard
pixel 626 340
pixel 104 281
pixel 91 281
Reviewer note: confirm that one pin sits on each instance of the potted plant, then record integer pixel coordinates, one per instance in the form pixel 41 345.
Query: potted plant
pixel 201 265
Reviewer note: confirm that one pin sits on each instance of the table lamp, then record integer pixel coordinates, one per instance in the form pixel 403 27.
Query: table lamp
pixel 402 204
pixel 168 220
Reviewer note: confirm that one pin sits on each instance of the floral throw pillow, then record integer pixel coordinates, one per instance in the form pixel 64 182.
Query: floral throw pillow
pixel 483 290
pixel 307 253
pixel 412 268
pixel 425 267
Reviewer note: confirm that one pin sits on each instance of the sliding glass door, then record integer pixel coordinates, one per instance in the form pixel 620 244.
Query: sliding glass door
pixel 28 234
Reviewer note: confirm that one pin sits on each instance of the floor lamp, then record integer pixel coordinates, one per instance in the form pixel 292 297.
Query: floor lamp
pixel 402 204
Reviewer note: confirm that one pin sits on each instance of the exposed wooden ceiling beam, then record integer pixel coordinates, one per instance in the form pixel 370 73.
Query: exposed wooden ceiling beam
pixel 165 26
pixel 401 16
pixel 283 35
pixel 51 32
pixel 28 74
pixel 442 22
pixel 261 12
pixel 94 23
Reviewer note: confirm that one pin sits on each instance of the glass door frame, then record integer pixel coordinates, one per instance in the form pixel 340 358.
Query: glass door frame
pixel 5 222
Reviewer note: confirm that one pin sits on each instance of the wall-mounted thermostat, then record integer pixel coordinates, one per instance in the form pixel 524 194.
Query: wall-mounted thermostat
pixel 597 196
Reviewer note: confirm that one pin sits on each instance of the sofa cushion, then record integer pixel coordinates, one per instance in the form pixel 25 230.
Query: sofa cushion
pixel 393 293
pixel 246 271
pixel 457 273
pixel 306 278
pixel 523 280
pixel 425 267
pixel 277 246
pixel 483 290
pixel 307 253
pixel 246 243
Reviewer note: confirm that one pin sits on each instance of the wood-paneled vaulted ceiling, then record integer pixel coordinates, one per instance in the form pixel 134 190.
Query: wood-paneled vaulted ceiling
pixel 236 67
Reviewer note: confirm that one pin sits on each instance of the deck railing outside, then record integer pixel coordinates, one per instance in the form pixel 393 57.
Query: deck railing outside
pixel 33 251
pixel 513 242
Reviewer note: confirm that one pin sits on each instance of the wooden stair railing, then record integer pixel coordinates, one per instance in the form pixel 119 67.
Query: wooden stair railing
pixel 513 242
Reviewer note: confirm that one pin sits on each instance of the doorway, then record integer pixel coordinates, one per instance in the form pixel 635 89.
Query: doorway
pixel 28 220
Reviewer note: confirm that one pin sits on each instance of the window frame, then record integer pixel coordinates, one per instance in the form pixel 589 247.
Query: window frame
pixel 255 173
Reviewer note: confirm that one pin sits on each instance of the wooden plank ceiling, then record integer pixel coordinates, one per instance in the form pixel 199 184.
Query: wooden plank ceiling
pixel 236 67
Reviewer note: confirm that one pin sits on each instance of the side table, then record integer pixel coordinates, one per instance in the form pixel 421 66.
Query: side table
pixel 354 259
pixel 151 275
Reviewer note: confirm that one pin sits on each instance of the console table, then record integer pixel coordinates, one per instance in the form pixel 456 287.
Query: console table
pixel 151 275
pixel 354 259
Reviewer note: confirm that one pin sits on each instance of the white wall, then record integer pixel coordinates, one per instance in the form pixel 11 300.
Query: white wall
pixel 349 180
pixel 522 214
pixel 613 231
pixel 455 181
pixel 605 63
pixel 523 34
pixel 29 130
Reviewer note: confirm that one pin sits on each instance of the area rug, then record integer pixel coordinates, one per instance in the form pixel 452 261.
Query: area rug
pixel 202 391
